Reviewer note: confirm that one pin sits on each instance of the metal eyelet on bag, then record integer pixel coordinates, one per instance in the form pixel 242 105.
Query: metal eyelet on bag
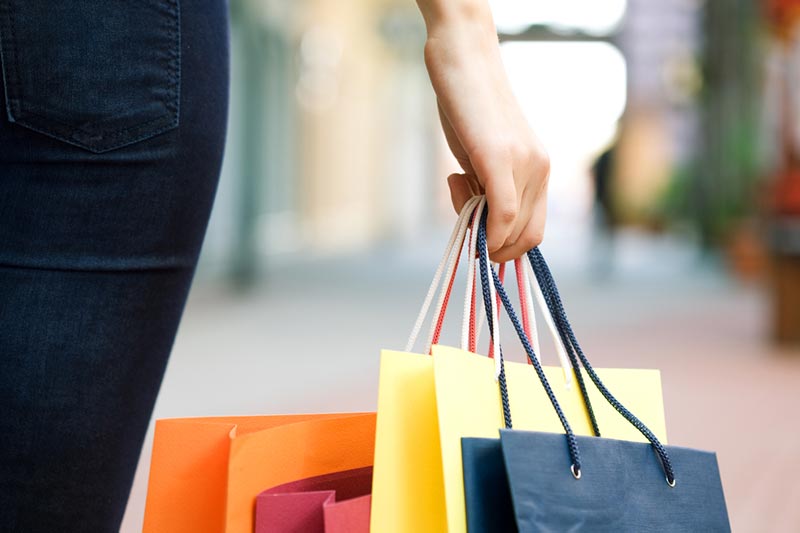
pixel 576 472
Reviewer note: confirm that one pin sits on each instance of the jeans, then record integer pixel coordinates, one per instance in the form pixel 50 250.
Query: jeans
pixel 112 129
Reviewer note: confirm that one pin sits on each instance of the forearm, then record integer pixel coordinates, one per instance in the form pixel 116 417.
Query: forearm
pixel 484 125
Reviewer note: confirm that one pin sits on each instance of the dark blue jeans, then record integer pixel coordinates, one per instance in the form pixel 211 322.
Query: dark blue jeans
pixel 112 130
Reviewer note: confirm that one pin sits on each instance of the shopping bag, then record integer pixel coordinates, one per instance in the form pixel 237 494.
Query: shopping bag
pixel 486 493
pixel 427 404
pixel 205 473
pixel 312 512
pixel 323 504
pixel 295 512
pixel 562 482
pixel 622 486
pixel 349 516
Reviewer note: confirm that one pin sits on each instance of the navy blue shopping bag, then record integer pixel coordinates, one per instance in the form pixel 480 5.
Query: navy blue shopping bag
pixel 562 482
pixel 486 492
pixel 622 486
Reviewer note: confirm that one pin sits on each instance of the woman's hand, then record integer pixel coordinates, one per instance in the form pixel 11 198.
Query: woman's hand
pixel 484 126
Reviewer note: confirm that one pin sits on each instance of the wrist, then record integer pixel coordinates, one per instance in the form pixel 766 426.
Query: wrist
pixel 446 16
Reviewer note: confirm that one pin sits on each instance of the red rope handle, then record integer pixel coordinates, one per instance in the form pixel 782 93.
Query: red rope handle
pixel 440 319
pixel 472 322
pixel 523 293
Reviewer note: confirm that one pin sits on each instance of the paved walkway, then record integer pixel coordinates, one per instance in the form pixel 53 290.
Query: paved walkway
pixel 309 341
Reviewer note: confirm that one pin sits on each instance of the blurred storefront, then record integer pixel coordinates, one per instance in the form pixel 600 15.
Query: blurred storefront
pixel 335 147
pixel 331 133
pixel 334 142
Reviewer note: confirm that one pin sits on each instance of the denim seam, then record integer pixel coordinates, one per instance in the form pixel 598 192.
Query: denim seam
pixel 3 60
pixel 73 129
pixel 12 86
pixel 176 71
pixel 102 266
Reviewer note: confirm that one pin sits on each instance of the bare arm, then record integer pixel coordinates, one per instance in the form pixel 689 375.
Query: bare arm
pixel 484 125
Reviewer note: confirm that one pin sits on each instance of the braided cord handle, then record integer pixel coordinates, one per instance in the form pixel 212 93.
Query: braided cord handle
pixel 490 297
pixel 556 312
pixel 540 267
pixel 546 277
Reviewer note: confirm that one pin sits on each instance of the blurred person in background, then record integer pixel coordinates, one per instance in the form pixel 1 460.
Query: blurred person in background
pixel 110 152
pixel 603 214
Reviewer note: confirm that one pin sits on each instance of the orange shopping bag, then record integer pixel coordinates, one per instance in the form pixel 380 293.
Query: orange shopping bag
pixel 205 473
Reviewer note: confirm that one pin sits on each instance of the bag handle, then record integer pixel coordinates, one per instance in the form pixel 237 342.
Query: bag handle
pixel 526 307
pixel 446 271
pixel 470 327
pixel 446 264
pixel 527 292
pixel 540 266
pixel 567 338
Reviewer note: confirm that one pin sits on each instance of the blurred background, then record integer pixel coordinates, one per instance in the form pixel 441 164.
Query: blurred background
pixel 673 225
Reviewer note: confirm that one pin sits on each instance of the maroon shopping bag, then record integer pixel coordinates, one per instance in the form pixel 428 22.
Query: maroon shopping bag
pixel 331 503
pixel 348 516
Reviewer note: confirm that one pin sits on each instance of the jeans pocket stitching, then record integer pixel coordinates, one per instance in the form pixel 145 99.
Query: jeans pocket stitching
pixel 21 113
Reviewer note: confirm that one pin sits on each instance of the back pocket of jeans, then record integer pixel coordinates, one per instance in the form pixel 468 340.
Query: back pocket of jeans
pixel 99 74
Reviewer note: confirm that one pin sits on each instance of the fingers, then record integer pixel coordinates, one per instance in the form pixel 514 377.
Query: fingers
pixel 525 214
pixel 515 181
pixel 531 235
pixel 495 171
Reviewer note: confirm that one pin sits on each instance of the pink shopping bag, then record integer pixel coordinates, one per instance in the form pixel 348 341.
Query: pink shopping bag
pixel 331 503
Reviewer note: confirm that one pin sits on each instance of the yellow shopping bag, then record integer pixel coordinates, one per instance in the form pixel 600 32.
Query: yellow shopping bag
pixel 407 482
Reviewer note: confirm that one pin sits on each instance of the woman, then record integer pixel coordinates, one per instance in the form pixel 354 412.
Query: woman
pixel 110 150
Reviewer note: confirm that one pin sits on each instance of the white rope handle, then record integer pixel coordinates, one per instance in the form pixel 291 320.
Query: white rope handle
pixel 451 271
pixel 495 334
pixel 531 291
pixel 472 284
pixel 563 358
pixel 446 270
pixel 447 263
pixel 470 296
pixel 529 307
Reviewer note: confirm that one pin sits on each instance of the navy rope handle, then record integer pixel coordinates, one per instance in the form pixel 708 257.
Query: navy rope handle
pixel 540 267
pixel 556 310
pixel 487 302
pixel 571 441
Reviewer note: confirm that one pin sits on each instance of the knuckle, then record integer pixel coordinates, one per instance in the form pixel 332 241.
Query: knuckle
pixel 507 213
pixel 540 160
pixel 544 162
pixel 532 238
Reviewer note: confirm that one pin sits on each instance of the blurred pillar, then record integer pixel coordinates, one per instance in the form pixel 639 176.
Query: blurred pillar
pixel 251 92
pixel 784 216
pixel 262 210
pixel 411 165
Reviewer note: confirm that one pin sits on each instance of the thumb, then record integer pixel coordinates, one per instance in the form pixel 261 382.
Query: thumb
pixel 461 190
